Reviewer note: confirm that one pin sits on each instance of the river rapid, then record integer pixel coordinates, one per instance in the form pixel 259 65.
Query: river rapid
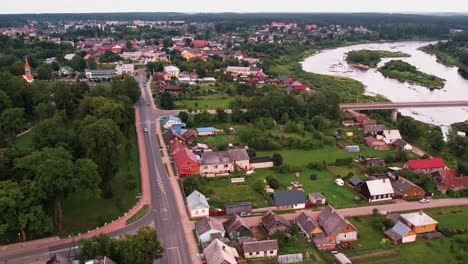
pixel 333 62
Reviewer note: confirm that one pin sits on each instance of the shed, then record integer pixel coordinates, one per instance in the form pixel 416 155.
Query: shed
pixel 237 208
pixel 317 198
pixel 355 181
pixel 352 148
pixel 204 131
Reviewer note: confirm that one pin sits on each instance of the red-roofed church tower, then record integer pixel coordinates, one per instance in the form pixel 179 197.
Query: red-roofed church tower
pixel 27 71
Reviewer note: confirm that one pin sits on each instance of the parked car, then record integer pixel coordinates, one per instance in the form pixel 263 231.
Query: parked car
pixel 244 214
pixel 145 129
pixel 147 103
pixel 339 182
pixel 423 200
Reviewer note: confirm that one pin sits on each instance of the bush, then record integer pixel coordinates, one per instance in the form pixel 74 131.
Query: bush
pixel 343 162
pixel 258 186
pixel 273 181
pixel 277 159
pixel 316 166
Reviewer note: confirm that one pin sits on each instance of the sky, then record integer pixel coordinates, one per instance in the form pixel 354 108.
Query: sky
pixel 251 6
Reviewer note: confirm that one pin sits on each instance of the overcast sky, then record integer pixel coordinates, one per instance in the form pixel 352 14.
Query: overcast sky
pixel 198 6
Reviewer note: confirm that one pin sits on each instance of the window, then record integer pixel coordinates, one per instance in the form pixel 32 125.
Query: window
pixel 250 254
pixel 423 227
pixel 215 166
pixel 271 252
pixel 196 211
pixel 226 165
pixel 257 253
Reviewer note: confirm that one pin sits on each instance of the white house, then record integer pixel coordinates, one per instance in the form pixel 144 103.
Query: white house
pixel 219 253
pixel 401 233
pixel 389 136
pixel 260 249
pixel 209 228
pixel 125 69
pixel 197 205
pixel 69 56
pixel 378 190
pixel 172 70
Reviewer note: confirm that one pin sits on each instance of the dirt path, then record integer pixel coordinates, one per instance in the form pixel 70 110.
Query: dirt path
pixel 374 254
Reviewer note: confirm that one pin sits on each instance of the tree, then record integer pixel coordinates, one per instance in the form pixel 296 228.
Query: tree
pixel 184 116
pixel 50 133
pixel 435 139
pixel 53 172
pixel 44 71
pixel 77 63
pixel 273 181
pixel 277 159
pixel 128 45
pixel 12 120
pixel 101 139
pixel 166 101
pixel 167 42
pixel 221 115
pixel 91 63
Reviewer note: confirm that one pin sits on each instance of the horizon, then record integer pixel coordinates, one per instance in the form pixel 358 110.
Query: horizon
pixel 241 6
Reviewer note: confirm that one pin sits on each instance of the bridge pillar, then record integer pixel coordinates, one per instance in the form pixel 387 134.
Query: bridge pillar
pixel 394 115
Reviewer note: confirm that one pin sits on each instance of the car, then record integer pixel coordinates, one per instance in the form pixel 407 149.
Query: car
pixel 147 103
pixel 423 200
pixel 244 214
pixel 339 182
pixel 145 129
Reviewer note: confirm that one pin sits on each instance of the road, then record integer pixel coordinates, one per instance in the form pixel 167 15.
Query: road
pixel 167 213
pixel 396 105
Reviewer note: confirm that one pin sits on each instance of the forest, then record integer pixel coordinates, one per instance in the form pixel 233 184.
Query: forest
pixel 372 57
pixel 403 71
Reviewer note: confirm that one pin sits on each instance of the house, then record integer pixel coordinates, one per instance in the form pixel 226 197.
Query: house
pixel 197 205
pixel 125 69
pixel 176 146
pixel 355 181
pixel 260 249
pixel 236 227
pixel 401 145
pixel 172 70
pixel 65 70
pixel 426 165
pixel 352 148
pixel 170 135
pixel 179 128
pixel 373 129
pixel 224 162
pixel 219 253
pixel 389 136
pixel 205 131
pixel 69 56
pixel 199 43
pixel 370 162
pixel 407 190
pixel 309 228
pixel 209 228
pixel 378 190
pixel 261 162
pixel 238 208
pixel 288 200
pixel 162 87
pixel 186 163
pixel 200 148
pixel 449 180
pixel 401 233
pixel 341 259
pixel 337 229
pixel 272 222
pixel 100 74
pixel 376 144
pixel 419 222
pixel 317 198
pixel 170 120
pixel 161 77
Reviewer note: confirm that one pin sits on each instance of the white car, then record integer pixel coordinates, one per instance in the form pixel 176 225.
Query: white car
pixel 145 129
pixel 339 182
pixel 423 200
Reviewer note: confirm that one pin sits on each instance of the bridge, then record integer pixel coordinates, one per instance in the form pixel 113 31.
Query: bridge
pixel 397 105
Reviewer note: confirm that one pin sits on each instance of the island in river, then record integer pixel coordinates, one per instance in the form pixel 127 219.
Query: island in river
pixel 366 59
pixel 403 71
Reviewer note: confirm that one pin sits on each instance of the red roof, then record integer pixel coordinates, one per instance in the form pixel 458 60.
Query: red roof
pixel 200 43
pixel 28 77
pixel 184 155
pixel 26 63
pixel 426 163
pixel 451 180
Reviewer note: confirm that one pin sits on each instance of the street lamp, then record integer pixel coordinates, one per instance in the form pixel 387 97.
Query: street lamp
pixel 19 236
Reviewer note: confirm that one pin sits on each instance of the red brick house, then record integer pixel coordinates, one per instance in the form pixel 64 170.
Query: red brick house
pixel 186 163
pixel 449 180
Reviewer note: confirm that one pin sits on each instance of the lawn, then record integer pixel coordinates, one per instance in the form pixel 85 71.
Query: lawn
pixel 25 141
pixel 82 212
pixel 143 210
pixel 205 102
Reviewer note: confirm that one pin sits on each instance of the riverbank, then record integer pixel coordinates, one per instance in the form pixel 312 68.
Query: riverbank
pixel 446 58
pixel 405 72
pixel 371 58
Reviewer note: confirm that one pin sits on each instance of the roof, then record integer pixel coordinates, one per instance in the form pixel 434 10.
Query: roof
pixel 257 246
pixel 451 179
pixel 400 143
pixel 331 221
pixel 402 185
pixel 271 220
pixel 238 204
pixel 392 134
pixel 208 223
pixel 288 198
pixel 215 157
pixel 196 198
pixel 418 218
pixel 199 145
pixel 183 156
pixel 217 252
pixel 398 231
pixel 205 129
pixel 379 187
pixel 290 258
pixel 374 128
pixel 234 223
pixel 306 223
pixel 238 154
pixel 317 196
pixel 173 118
pixel 342 258
pixel 355 180
pixel 260 159
pixel 426 163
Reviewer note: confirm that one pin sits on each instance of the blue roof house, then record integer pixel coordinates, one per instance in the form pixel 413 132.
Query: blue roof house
pixel 204 131
pixel 179 127
pixel 170 120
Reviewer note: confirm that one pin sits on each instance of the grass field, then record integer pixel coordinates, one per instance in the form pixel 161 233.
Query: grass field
pixel 82 212
pixel 25 141
pixel 143 210
pixel 205 102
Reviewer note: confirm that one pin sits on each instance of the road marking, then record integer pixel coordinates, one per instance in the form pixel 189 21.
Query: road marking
pixel 178 254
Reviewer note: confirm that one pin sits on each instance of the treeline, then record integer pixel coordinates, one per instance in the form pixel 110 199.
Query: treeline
pixel 75 147
pixel 371 57
pixel 452 52
pixel 403 71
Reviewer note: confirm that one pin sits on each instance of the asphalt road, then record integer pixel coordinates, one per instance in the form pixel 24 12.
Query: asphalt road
pixel 164 214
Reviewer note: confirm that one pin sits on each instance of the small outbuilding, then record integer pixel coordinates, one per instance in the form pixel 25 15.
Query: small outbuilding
pixel 238 208
pixel 352 148
pixel 317 198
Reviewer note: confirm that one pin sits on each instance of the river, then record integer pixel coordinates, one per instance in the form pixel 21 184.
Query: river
pixel 332 62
